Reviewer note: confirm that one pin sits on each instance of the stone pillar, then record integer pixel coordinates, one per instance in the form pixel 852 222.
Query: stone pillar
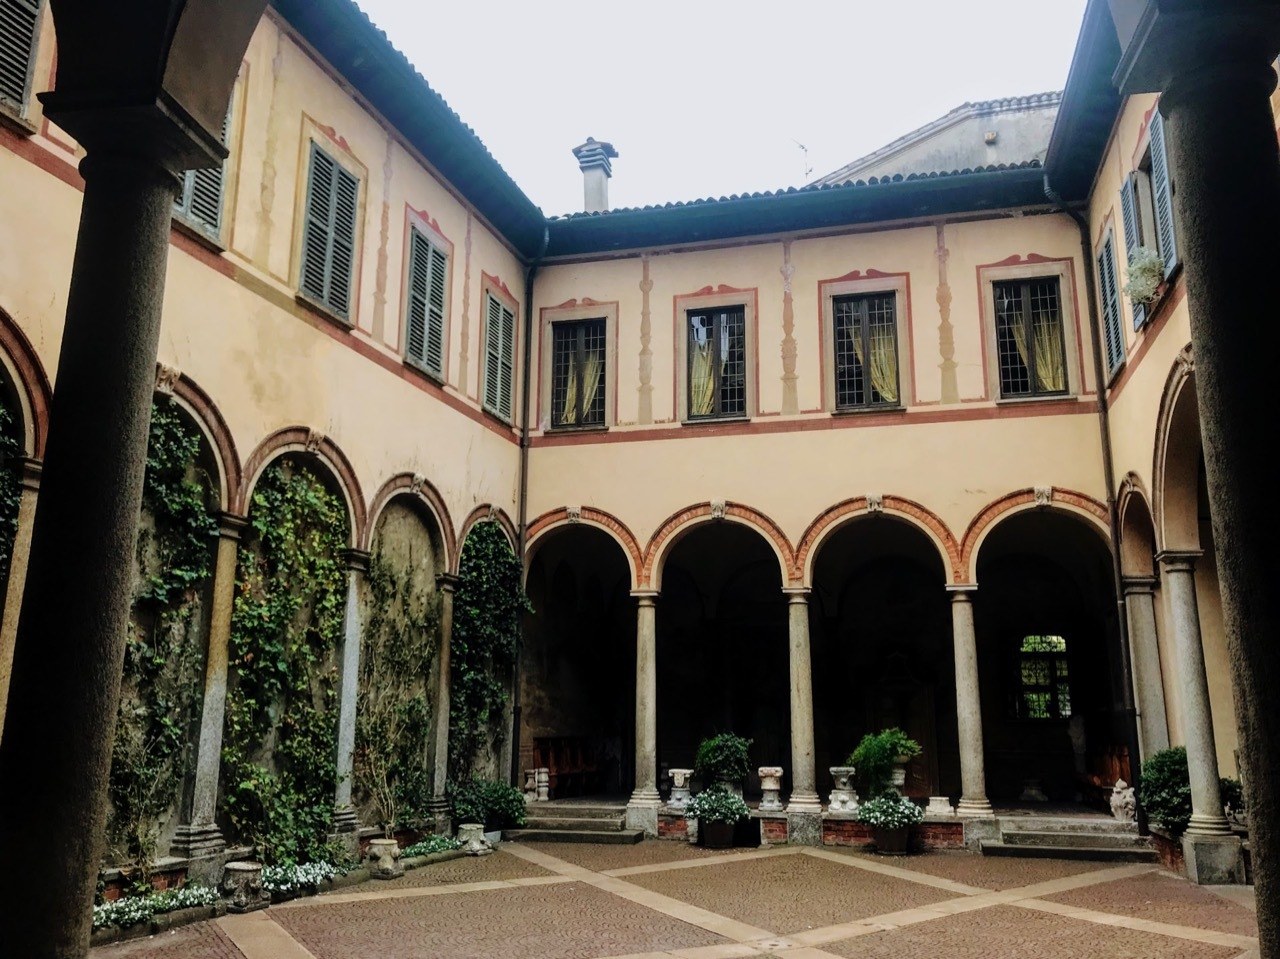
pixel 447 583
pixel 642 810
pixel 17 576
pixel 1148 680
pixel 344 814
pixel 973 776
pixel 804 809
pixel 199 837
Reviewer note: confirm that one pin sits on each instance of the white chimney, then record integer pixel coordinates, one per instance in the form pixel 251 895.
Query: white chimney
pixel 593 159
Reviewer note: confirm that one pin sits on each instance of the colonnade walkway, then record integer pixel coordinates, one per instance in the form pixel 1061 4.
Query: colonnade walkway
pixel 670 899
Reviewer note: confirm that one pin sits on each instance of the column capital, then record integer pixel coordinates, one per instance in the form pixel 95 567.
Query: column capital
pixel 32 468
pixel 797 595
pixel 231 526
pixel 1139 584
pixel 1178 560
pixel 357 560
pixel 448 582
pixel 962 592
pixel 645 597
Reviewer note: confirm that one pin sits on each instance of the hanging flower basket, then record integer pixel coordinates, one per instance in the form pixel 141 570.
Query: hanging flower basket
pixel 1146 273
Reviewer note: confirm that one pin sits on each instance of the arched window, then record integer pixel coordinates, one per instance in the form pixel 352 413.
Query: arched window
pixel 1044 687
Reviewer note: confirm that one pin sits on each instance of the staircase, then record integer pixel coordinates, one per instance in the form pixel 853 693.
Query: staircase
pixel 1058 837
pixel 576 822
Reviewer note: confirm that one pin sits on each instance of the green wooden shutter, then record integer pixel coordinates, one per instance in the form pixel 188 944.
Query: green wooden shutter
pixel 342 261
pixel 492 353
pixel 201 200
pixel 329 233
pixel 1110 306
pixel 1129 210
pixel 18 20
pixel 435 311
pixel 415 339
pixel 505 377
pixel 1162 192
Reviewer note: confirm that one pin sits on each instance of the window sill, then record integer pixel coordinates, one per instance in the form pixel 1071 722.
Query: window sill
pixel 593 428
pixel 432 375
pixel 1163 293
pixel 193 232
pixel 869 410
pixel 715 420
pixel 314 306
pixel 1046 398
pixel 19 124
pixel 498 417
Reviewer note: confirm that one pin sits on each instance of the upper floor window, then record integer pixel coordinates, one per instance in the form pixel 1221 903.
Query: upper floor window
pixel 717 358
pixel 499 357
pixel 1029 341
pixel 200 203
pixel 1044 686
pixel 19 21
pixel 1146 203
pixel 424 319
pixel 866 350
pixel 1112 334
pixel 578 373
pixel 329 233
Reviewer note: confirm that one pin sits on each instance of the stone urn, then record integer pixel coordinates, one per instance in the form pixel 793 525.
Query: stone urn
pixel 242 887
pixel 843 796
pixel 473 841
pixel 530 785
pixel 680 788
pixel 771 785
pixel 898 774
pixel 383 857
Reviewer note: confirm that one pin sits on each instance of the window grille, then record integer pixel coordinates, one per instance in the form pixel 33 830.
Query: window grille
pixel 717 363
pixel 1044 682
pixel 1030 348
pixel 578 373
pixel 866 351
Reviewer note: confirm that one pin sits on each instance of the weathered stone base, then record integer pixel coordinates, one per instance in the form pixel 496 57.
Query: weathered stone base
pixel 804 828
pixel 205 850
pixel 1213 860
pixel 644 817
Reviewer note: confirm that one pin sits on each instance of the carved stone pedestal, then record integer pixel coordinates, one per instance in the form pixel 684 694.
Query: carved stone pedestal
pixel 771 784
pixel 384 859
pixel 472 836
pixel 843 797
pixel 242 887
pixel 939 806
pixel 680 788
pixel 530 785
pixel 543 784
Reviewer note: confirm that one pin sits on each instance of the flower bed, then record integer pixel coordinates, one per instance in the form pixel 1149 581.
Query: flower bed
pixel 132 910
pixel 431 846
pixel 289 881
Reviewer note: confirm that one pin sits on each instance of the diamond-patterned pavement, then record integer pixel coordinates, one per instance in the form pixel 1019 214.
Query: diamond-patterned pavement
pixel 1163 898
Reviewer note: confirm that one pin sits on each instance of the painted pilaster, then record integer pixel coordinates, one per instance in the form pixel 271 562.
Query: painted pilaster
pixel 344 814
pixel 642 810
pixel 646 348
pixel 17 576
pixel 790 394
pixel 946 333
pixel 1148 680
pixel 973 775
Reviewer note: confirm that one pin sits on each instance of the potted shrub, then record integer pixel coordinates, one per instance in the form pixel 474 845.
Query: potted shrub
pixel 495 804
pixel 722 759
pixel 1165 793
pixel 1146 273
pixel 717 810
pixel 890 817
pixel 882 760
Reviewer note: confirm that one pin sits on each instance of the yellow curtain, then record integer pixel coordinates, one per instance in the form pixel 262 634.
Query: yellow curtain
pixel 702 381
pixel 882 370
pixel 1017 328
pixel 590 381
pixel 569 416
pixel 1051 369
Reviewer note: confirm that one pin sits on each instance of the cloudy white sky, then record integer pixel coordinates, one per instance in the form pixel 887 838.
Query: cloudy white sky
pixel 707 97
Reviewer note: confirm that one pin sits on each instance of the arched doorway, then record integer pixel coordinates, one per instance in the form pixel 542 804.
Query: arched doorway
pixel 1137 565
pixel 722 647
pixel 578 664
pixel 1048 659
pixel 880 626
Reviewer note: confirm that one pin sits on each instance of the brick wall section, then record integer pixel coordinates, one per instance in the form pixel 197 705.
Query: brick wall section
pixel 773 830
pixel 672 827
pixel 929 835
pixel 172 877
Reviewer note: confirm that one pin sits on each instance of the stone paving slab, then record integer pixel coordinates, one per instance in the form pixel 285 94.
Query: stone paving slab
pixel 567 921
pixel 201 940
pixel 789 893
pixel 1007 931
pixel 500 865
pixel 1164 898
pixel 986 872
pixel 601 858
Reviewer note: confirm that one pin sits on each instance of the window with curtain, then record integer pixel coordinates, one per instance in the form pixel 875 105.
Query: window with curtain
pixel 577 373
pixel 1029 338
pixel 866 351
pixel 717 363
pixel 1044 683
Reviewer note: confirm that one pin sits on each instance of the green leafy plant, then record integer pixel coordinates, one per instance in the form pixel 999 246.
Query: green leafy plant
pixel 722 759
pixel 432 846
pixel 1165 789
pixel 164 650
pixel 10 489
pixel 1232 793
pixel 487 801
pixel 1146 273
pixel 889 811
pixel 487 609
pixel 280 739
pixel 875 757
pixel 717 804
pixel 393 721
pixel 132 910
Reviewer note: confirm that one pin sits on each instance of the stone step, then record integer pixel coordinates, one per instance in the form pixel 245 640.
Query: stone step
pixel 992 847
pixel 575 810
pixel 623 837
pixel 1114 840
pixel 577 824
pixel 1085 824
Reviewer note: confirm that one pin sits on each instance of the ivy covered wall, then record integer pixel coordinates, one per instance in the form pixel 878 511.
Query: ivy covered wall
pixel 10 484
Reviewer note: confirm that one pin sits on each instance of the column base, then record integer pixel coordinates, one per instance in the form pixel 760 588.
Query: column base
pixel 1213 860
pixel 205 850
pixel 345 826
pixel 441 816
pixel 1208 826
pixel 804 827
pixel 975 807
pixel 642 811
pixel 804 802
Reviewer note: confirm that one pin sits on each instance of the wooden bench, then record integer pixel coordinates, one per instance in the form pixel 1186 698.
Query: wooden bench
pixel 574 767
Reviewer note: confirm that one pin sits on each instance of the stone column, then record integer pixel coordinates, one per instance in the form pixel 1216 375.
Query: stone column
pixel 804 809
pixel 344 814
pixel 17 576
pixel 447 583
pixel 1179 577
pixel 199 837
pixel 1148 680
pixel 642 810
pixel 973 776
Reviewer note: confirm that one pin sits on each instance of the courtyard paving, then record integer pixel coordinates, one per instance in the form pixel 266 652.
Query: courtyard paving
pixel 662 899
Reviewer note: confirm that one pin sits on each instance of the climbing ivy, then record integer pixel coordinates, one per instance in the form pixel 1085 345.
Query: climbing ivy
pixel 487 609
pixel 164 652
pixel 10 489
pixel 393 727
pixel 280 739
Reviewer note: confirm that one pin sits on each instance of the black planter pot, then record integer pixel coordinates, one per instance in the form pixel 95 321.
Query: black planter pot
pixel 715 835
pixel 891 842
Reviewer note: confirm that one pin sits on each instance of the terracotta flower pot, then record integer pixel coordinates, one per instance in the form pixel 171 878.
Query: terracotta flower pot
pixel 715 835
pixel 891 842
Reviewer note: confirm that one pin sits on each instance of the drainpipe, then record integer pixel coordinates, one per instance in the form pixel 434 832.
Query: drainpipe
pixel 1128 710
pixel 522 534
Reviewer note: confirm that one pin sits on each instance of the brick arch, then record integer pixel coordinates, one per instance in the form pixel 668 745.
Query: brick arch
pixel 317 446
pixel 23 367
pixel 481 513
pixel 1062 500
pixel 420 489
pixel 597 518
pixel 195 402
pixel 909 511
pixel 677 525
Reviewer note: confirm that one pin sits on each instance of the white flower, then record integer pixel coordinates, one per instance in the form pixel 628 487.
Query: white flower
pixel 135 909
